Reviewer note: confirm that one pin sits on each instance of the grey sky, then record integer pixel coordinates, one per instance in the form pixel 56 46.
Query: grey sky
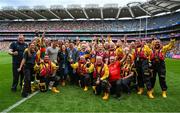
pixel 47 3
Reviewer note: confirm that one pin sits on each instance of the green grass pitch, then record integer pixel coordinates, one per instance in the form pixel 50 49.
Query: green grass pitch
pixel 73 99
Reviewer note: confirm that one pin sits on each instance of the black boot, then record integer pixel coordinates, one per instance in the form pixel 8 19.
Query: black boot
pixel 24 95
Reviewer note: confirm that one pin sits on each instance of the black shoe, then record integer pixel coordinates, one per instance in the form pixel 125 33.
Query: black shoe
pixel 24 95
pixel 13 89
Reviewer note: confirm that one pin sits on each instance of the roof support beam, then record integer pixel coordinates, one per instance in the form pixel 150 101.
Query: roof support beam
pixel 119 11
pixel 2 16
pixel 163 8
pixel 25 14
pixel 175 1
pixel 39 14
pixel 69 14
pixel 144 10
pixel 85 13
pixel 54 14
pixel 10 15
pixel 132 14
pixel 102 13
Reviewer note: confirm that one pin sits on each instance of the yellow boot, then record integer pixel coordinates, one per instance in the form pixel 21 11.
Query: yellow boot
pixel 164 94
pixel 150 94
pixel 140 92
pixel 54 90
pixel 106 96
pixel 85 88
pixel 94 89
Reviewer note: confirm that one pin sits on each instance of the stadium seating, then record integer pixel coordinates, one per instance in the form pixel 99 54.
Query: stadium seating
pixel 96 25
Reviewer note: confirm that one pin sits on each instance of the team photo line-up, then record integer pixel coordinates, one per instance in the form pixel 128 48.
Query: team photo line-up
pixel 109 68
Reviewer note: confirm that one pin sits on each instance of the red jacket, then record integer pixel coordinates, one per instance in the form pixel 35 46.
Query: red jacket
pixel 114 71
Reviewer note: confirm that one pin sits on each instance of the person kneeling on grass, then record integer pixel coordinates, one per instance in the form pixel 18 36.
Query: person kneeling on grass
pixel 127 77
pixel 47 75
pixel 115 72
pixel 83 69
pixel 100 78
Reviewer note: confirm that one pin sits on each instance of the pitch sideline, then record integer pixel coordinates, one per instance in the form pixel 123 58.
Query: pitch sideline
pixel 19 102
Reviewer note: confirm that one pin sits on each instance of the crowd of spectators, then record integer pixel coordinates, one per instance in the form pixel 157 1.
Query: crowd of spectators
pixel 96 25
pixel 175 50
pixel 4 46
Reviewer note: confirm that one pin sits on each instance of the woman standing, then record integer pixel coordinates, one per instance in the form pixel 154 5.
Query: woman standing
pixel 28 62
pixel 62 59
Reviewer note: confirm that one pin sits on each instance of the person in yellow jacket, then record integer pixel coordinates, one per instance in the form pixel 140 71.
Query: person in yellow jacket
pixel 100 78
pixel 83 71
pixel 48 73
pixel 158 64
pixel 119 50
pixel 141 55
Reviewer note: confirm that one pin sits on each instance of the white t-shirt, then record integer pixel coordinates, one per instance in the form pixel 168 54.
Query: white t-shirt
pixel 52 53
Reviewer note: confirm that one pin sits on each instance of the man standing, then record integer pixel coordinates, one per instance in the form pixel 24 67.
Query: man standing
pixel 141 55
pixel 52 52
pixel 158 64
pixel 72 58
pixel 16 50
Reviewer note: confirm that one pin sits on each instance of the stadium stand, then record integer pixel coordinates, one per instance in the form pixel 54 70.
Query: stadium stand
pixel 98 25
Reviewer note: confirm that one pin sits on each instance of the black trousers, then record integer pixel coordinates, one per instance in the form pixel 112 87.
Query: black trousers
pixel 144 77
pixel 104 86
pixel 47 80
pixel 84 80
pixel 160 69
pixel 73 76
pixel 62 74
pixel 123 85
pixel 113 87
pixel 28 75
pixel 16 76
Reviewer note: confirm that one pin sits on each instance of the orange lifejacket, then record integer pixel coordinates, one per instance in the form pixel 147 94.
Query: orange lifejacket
pixel 157 56
pixel 99 74
pixel 81 70
pixel 46 70
pixel 140 54
pixel 100 54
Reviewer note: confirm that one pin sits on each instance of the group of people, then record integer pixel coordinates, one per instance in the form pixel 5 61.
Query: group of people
pixel 110 68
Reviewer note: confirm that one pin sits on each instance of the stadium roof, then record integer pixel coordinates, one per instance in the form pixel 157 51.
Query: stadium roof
pixel 90 11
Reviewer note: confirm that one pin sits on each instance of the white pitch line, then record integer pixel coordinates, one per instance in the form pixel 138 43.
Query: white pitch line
pixel 19 102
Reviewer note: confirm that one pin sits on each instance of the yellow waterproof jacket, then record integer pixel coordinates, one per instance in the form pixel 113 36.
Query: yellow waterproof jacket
pixel 146 50
pixel 168 47
pixel 88 69
pixel 105 71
